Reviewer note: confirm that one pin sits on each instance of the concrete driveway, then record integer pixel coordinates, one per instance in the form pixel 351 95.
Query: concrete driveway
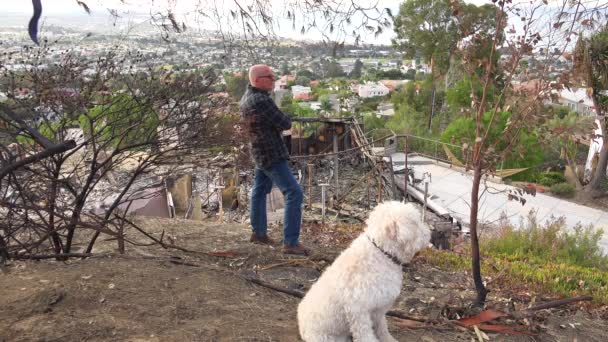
pixel 452 189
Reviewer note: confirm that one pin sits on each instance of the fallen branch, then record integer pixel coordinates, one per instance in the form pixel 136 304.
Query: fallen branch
pixel 480 320
pixel 262 283
pixel 298 294
pixel 292 262
pixel 558 302
pixel 158 241
pixel 401 315
pixel 414 325
pixel 50 256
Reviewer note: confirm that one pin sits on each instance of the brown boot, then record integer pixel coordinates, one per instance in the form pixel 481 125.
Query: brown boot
pixel 261 239
pixel 296 250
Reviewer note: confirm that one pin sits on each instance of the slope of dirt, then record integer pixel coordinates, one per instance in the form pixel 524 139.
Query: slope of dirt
pixel 155 294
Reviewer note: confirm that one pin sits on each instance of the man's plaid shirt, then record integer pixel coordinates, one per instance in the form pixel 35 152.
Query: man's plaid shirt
pixel 264 122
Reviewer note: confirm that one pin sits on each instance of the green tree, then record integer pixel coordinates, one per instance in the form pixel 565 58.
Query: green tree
pixel 529 154
pixel 127 122
pixel 458 97
pixel 285 69
pixel 371 75
pixel 410 74
pixel 393 74
pixel 303 112
pixel 357 69
pixel 307 73
pixel 303 81
pixel 287 102
pixel 326 105
pixel 371 121
pixel 236 84
pixel 332 68
pixel 426 28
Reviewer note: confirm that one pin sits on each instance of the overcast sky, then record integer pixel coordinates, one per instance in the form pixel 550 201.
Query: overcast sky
pixel 184 10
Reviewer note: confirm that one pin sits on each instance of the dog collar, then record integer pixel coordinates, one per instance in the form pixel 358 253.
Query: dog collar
pixel 387 254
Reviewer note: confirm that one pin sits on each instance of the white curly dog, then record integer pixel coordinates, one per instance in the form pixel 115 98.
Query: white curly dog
pixel 351 298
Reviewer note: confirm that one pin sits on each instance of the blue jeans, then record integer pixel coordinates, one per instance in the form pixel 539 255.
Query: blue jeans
pixel 279 174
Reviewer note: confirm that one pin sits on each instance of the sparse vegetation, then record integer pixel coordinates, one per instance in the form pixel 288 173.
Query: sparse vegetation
pixel 547 256
pixel 563 190
pixel 551 178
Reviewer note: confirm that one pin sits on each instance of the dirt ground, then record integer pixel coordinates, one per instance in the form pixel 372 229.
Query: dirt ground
pixel 155 294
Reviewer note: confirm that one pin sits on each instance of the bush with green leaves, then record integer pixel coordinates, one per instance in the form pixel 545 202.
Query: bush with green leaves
pixel 527 154
pixel 551 178
pixel 563 190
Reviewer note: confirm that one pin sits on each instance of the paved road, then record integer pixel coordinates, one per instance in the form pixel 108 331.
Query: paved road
pixel 452 189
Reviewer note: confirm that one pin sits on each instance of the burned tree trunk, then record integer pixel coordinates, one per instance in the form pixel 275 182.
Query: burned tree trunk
pixel 475 259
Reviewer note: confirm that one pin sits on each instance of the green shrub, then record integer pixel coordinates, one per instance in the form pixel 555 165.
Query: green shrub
pixel 559 278
pixel 563 190
pixel 551 178
pixel 568 262
pixel 551 241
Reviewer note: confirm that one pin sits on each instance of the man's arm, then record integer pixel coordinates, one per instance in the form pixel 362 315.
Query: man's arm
pixel 275 116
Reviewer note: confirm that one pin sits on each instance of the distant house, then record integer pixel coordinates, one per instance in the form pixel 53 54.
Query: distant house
pixel 281 83
pixel 302 97
pixel 577 100
pixel 393 84
pixel 300 92
pixel 527 87
pixel 372 90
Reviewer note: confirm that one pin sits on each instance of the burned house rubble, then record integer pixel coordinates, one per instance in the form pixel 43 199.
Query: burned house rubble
pixel 342 173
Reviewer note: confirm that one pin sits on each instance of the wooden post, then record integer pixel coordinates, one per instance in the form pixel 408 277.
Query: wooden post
pixel 379 182
pixel 393 185
pixel 221 207
pixel 436 158
pixel 323 187
pixel 426 192
pixel 310 185
pixel 407 173
pixel 220 196
pixel 300 134
pixel 368 181
pixel 336 163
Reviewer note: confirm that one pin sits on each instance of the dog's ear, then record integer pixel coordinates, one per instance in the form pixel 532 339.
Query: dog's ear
pixel 390 231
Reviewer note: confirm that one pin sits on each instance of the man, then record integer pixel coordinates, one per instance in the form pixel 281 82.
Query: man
pixel 264 123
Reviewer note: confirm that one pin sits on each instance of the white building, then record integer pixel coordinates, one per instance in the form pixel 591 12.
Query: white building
pixel 576 100
pixel 372 90
pixel 298 91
